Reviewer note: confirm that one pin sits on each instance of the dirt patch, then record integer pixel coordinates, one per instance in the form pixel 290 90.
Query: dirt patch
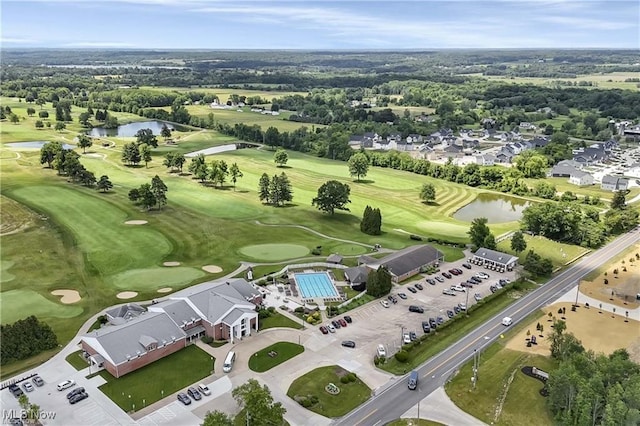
pixel 600 332
pixel 136 222
pixel 68 296
pixel 165 290
pixel 126 295
pixel 621 288
pixel 171 264
pixel 213 269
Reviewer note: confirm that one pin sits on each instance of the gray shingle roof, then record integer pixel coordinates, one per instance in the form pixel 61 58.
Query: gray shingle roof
pixel 334 258
pixel 410 258
pixel 234 315
pixel 121 342
pixel 495 256
pixel 579 174
pixel 357 275
pixel 179 311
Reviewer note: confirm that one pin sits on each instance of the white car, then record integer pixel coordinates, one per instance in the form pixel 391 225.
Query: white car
pixel 384 303
pixel 506 321
pixel 331 328
pixel 382 353
pixel 66 385
pixel 482 275
pixel 458 287
pixel 448 292
pixel 406 338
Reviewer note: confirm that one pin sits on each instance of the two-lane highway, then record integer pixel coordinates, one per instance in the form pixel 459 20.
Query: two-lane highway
pixel 391 403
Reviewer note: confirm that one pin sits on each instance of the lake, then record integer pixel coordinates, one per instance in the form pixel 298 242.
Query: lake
pixel 130 130
pixel 496 208
pixel 35 145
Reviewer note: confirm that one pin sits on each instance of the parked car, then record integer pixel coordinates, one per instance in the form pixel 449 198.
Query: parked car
pixel 493 288
pixel 406 338
pixel 324 329
pixel 458 270
pixel 38 381
pixel 413 335
pixel 66 385
pixel 466 265
pixel 75 392
pixel 182 397
pixel 193 393
pixel 504 281
pixel 483 275
pixel 15 390
pixel 462 306
pixel 466 284
pixel 416 309
pixel 478 297
pixel 447 275
pixel 204 389
pixel 432 322
pixel 342 322
pixel 450 313
pixel 440 320
pixel 382 353
pixel 479 276
pixel 348 319
pixel 454 272
pixel 458 288
pixel 498 286
pixel 431 281
pixel 439 279
pixel 456 309
pixel 384 303
pixel 402 296
pixel 335 323
pixel 475 280
pixel 348 344
pixel 419 286
pixel 28 387
pixel 78 397
pixel 448 292
pixel 412 290
pixel 426 327
pixel 331 328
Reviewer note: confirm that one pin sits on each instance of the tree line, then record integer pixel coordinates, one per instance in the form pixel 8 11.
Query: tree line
pixel 25 338
pixel 67 163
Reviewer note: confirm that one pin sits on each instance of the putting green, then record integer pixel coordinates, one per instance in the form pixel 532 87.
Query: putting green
pixel 272 252
pixel 5 276
pixel 19 304
pixel 154 278
pixel 349 249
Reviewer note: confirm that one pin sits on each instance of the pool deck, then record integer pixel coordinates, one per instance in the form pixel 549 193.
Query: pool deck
pixel 314 285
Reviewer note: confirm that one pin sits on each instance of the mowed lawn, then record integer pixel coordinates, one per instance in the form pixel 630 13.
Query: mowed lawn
pixel 559 253
pixel 313 383
pixel 274 355
pixel 499 377
pixel 147 385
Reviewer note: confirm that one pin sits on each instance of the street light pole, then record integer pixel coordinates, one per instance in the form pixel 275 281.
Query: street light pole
pixel 575 305
pixel 466 301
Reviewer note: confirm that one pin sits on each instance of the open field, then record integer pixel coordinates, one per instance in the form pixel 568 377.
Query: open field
pixel 265 359
pixel 223 93
pixel 614 80
pixel 147 385
pixel 278 320
pixel 233 116
pixel 559 253
pixel 563 185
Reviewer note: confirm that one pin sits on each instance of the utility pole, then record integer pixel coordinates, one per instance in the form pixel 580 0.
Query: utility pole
pixel 466 301
pixel 474 379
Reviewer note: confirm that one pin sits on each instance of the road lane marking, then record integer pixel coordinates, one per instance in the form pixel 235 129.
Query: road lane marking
pixel 367 416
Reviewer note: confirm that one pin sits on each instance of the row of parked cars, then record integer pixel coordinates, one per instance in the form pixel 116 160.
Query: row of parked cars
pixel 335 324
pixel 195 393
pixel 17 391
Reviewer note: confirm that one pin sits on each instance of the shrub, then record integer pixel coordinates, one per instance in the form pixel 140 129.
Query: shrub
pixel 299 310
pixel 351 377
pixel 207 339
pixel 344 379
pixel 310 320
pixel 316 315
pixel 402 356
pixel 271 309
pixel 376 361
pixel 315 252
pixel 415 237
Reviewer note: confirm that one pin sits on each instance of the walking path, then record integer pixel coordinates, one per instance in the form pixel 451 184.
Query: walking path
pixel 438 407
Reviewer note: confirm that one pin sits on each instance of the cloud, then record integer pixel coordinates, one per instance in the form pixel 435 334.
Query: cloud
pixel 586 23
pixel 20 40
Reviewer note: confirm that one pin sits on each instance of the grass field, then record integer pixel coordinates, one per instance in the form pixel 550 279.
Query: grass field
pixel 614 80
pixel 499 377
pixel 261 361
pixel 18 304
pixel 563 185
pixel 278 320
pixel 313 383
pixel 274 252
pixel 559 253
pixel 147 385
pixel 76 360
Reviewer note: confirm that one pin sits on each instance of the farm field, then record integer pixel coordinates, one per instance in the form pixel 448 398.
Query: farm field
pixel 559 253
pixel 224 93
pixel 614 80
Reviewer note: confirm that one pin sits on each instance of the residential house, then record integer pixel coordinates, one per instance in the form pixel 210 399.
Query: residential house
pixel 614 183
pixel 595 153
pixel 415 139
pixel 486 159
pixel 525 125
pixel 540 142
pixel 580 178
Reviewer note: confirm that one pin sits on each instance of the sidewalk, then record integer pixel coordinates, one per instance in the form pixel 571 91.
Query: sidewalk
pixel 570 296
pixel 439 408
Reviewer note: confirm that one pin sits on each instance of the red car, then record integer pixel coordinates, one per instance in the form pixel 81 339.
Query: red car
pixel 324 330
pixel 342 322
pixel 454 271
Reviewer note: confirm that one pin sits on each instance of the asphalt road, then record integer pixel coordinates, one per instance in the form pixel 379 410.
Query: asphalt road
pixel 391 403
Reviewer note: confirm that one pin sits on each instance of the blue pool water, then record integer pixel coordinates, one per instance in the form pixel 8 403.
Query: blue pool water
pixel 316 285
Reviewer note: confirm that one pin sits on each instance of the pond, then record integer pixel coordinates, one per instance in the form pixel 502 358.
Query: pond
pixel 35 145
pixel 130 130
pixel 496 208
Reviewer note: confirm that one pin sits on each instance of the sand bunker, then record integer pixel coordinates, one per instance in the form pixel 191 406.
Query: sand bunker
pixel 171 263
pixel 68 296
pixel 164 290
pixel 213 269
pixel 136 222
pixel 126 295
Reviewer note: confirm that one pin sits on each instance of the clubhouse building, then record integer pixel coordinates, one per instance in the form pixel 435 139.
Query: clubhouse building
pixel 136 336
pixel 494 260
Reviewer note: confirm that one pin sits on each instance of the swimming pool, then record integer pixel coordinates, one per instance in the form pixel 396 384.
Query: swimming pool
pixel 316 285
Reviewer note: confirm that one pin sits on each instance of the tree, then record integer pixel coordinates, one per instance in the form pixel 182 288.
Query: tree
pixel 48 152
pixel 145 154
pixel 165 132
pixel 83 118
pixel 619 201
pixel 490 242
pixel 174 160
pixel 235 173
pixel 479 231
pixel 146 136
pixel 199 168
pixel 518 243
pixel 87 178
pixel 43 114
pixel 217 418
pixel 31 111
pixel 371 221
pixel 537 265
pixel 84 142
pixel 358 165
pixel 104 184
pixel 40 102
pixel 60 126
pixel 428 193
pixel 263 188
pixel 379 282
pixel 281 157
pixel 159 190
pixel 25 338
pixel 258 404
pixel 39 124
pixel 280 190
pixel 332 195
pixel 131 154
pixel 146 197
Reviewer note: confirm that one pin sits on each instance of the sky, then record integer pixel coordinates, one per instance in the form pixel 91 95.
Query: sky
pixel 303 24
